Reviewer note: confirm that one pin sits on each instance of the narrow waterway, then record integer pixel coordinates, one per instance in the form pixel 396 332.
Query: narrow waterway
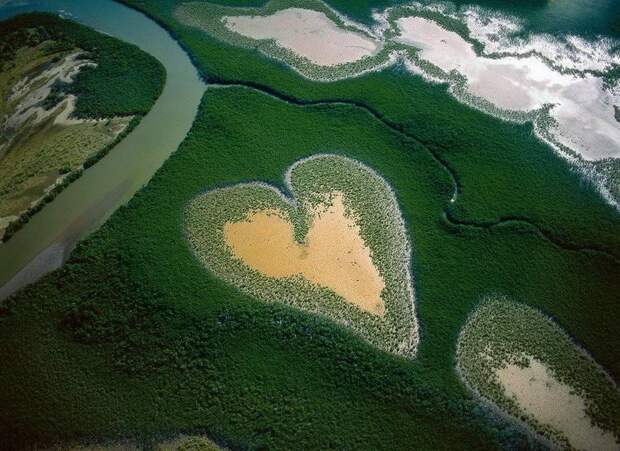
pixel 46 241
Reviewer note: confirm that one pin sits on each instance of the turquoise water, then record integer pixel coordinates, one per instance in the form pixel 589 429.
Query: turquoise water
pixel 586 18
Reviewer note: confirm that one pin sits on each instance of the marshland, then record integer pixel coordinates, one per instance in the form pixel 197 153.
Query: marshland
pixel 157 325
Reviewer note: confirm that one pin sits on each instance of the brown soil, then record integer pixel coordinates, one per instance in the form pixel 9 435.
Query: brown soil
pixel 333 256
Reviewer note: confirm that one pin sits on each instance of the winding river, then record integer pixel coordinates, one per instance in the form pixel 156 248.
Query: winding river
pixel 47 240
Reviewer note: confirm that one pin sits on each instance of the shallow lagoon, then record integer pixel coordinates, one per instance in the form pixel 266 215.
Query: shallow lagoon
pixel 582 107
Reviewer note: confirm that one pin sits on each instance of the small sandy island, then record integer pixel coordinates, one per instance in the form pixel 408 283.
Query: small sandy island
pixel 334 255
pixel 521 361
pixel 550 402
pixel 308 33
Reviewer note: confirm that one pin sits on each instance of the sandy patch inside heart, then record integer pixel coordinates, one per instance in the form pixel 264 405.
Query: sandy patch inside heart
pixel 333 256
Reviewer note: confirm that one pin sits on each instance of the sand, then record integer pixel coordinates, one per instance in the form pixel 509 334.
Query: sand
pixel 39 146
pixel 334 255
pixel 28 93
pixel 551 402
pixel 189 443
pixel 308 33
pixel 183 442
pixel 583 108
pixel 66 108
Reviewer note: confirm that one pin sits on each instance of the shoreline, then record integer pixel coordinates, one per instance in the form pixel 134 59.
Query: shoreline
pixel 135 171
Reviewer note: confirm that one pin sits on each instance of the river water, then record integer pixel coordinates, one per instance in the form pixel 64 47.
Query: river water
pixel 46 241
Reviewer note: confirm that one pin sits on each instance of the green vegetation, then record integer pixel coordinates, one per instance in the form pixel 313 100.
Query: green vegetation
pixel 134 337
pixel 208 17
pixel 169 346
pixel 501 331
pixel 493 160
pixel 126 81
pixel 67 96
pixel 611 169
pixel 367 196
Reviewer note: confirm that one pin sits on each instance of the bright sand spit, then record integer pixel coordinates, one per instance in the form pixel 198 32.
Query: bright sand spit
pixel 334 255
pixel 583 108
pixel 553 403
pixel 307 33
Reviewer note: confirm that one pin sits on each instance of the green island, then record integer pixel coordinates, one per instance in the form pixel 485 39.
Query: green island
pixel 67 95
pixel 500 258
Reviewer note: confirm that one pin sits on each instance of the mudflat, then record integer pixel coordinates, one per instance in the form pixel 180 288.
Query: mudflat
pixel 308 33
pixel 333 256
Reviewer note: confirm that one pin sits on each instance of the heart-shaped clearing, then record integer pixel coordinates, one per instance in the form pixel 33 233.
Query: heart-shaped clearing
pixel 334 255
pixel 338 249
